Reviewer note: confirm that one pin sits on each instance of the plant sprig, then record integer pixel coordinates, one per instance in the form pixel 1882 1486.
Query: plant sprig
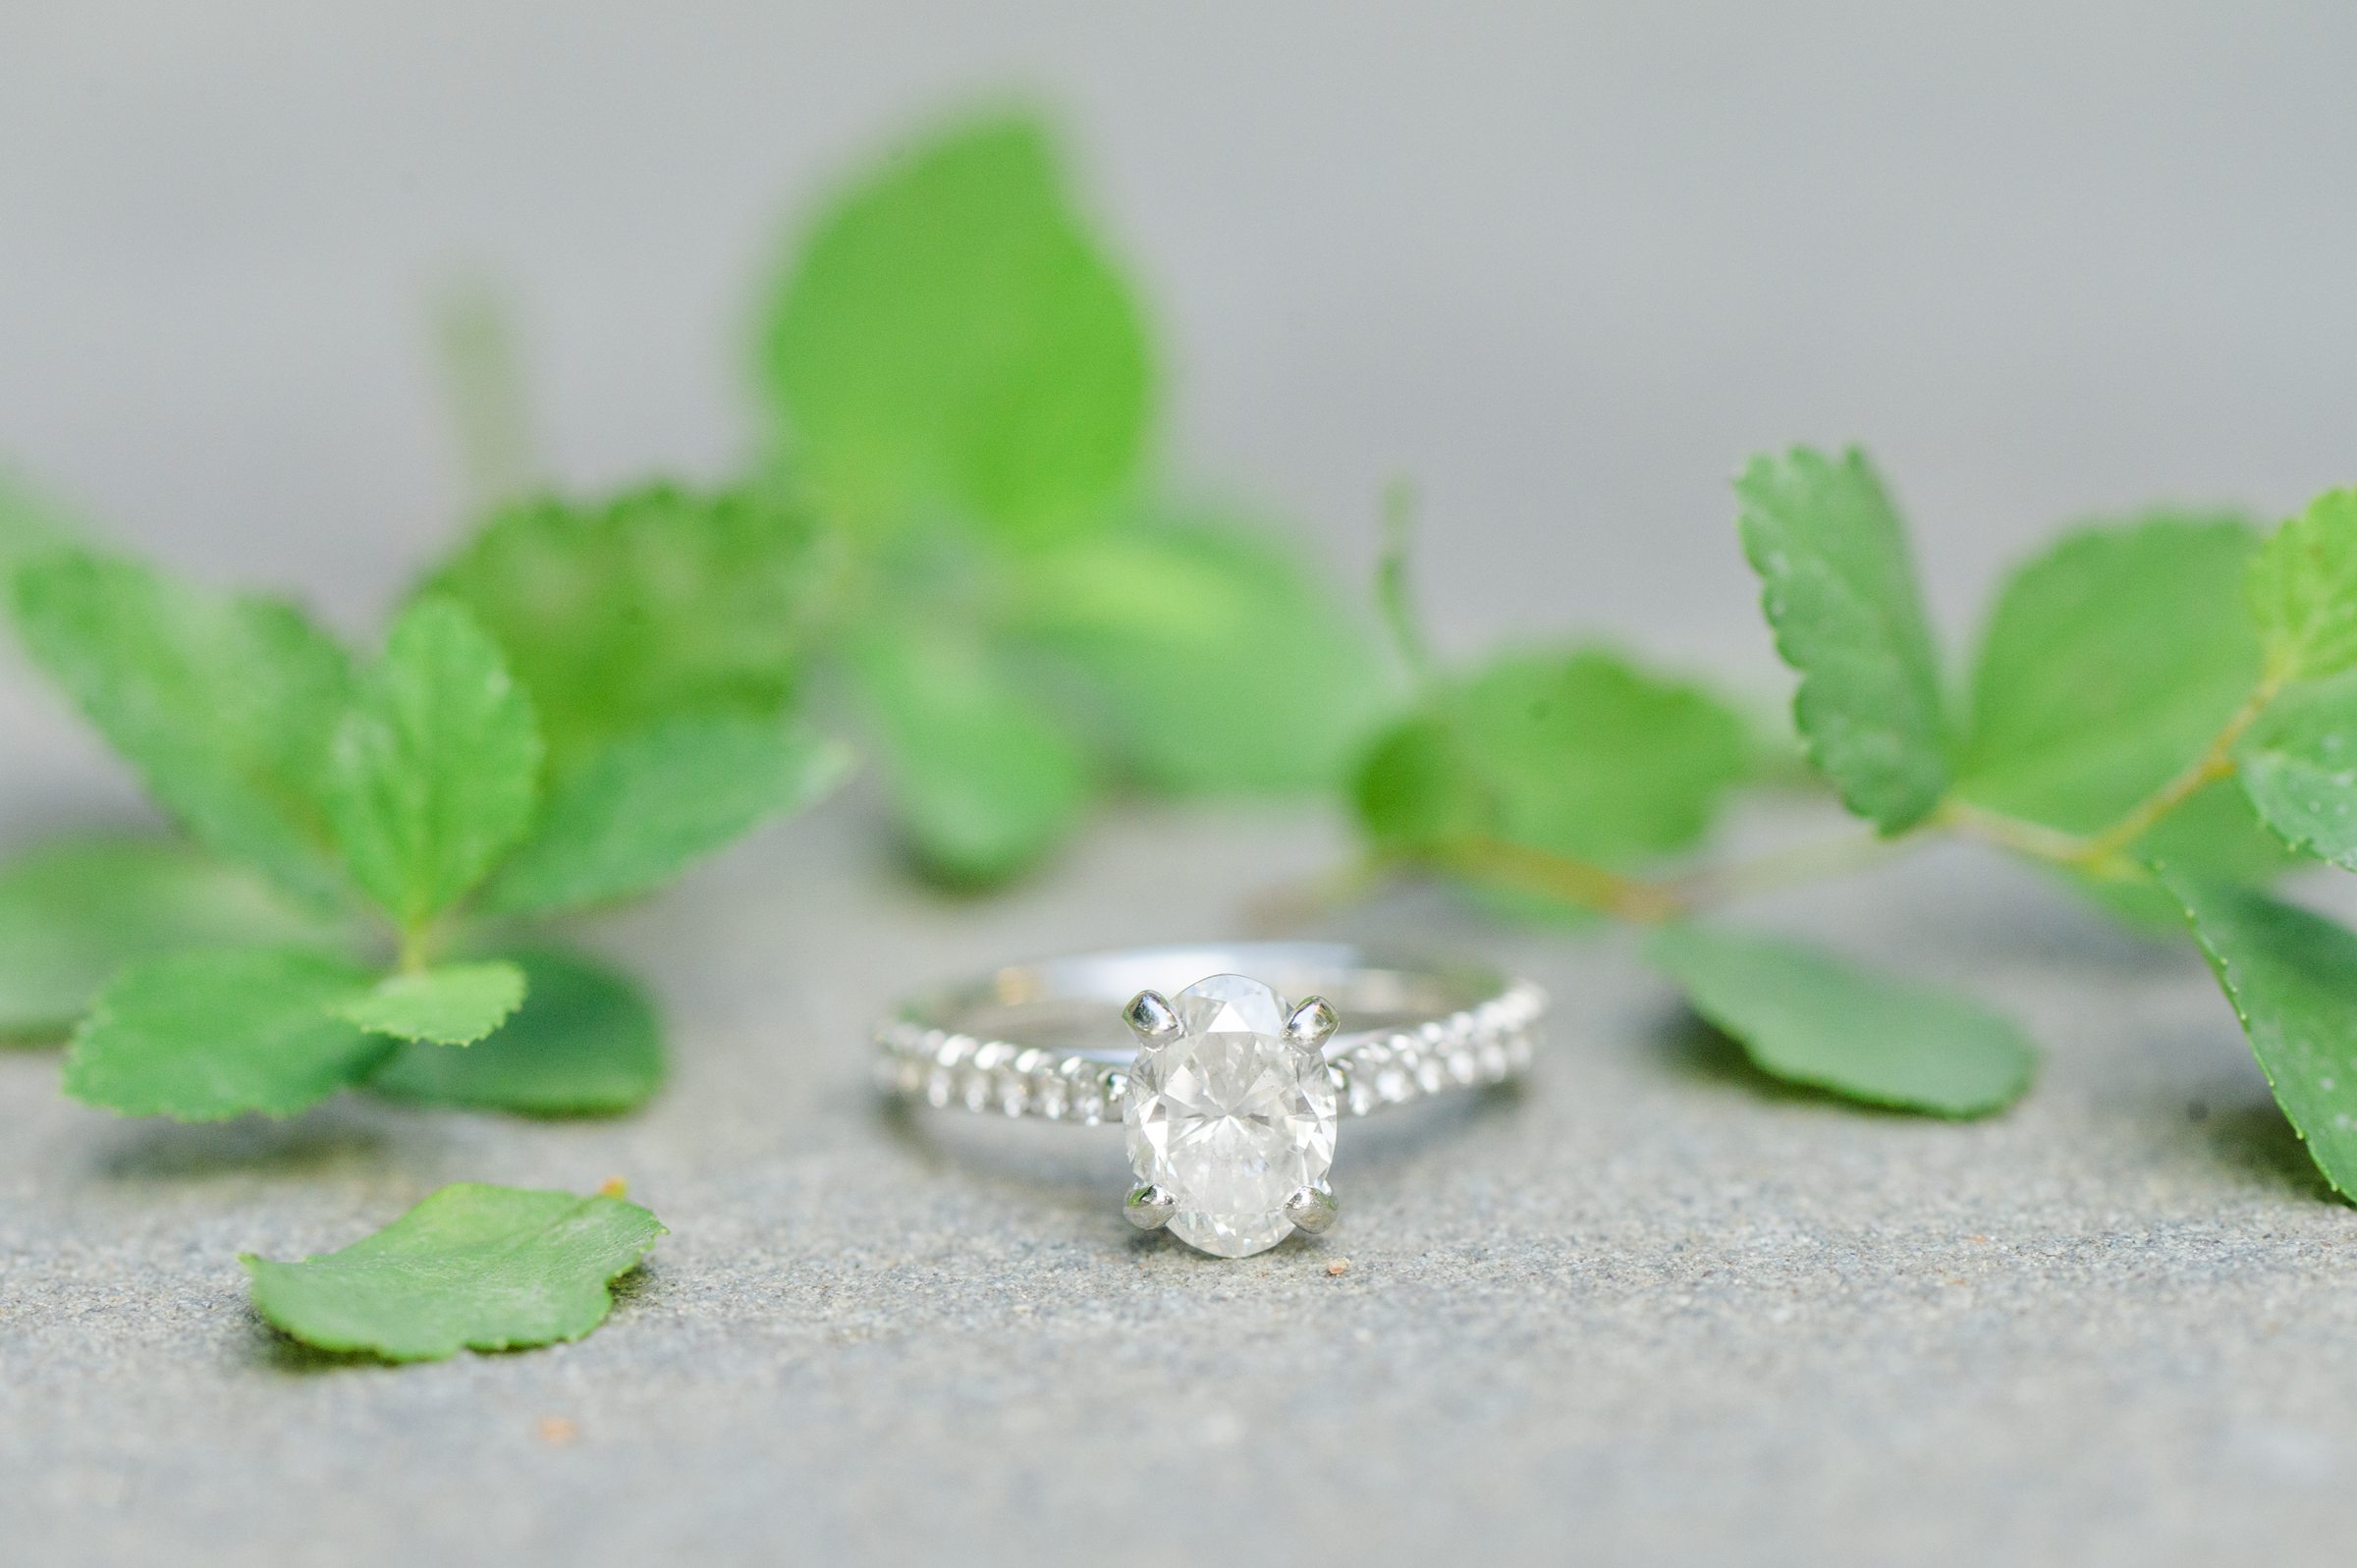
pixel 2122 685
pixel 401 812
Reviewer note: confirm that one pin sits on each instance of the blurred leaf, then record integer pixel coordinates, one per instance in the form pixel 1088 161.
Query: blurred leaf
pixel 1810 1018
pixel 2292 979
pixel 952 334
pixel 645 808
pixel 2303 590
pixel 1838 587
pixel 1422 786
pixel 657 603
pixel 1579 754
pixel 587 1044
pixel 207 1035
pixel 76 912
pixel 448 1004
pixel 985 780
pixel 2110 663
pixel 1222 664
pixel 2299 769
pixel 223 705
pixel 471 1268
pixel 437 766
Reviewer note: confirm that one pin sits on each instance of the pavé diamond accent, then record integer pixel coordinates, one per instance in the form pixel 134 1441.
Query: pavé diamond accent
pixel 1231 1117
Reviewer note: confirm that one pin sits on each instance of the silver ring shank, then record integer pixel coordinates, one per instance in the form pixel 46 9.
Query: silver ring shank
pixel 1046 1039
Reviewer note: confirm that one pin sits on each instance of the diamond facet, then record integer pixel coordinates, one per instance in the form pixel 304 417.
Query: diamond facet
pixel 1229 1117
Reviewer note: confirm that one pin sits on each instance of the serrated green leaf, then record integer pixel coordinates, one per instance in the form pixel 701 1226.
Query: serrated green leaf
pixel 1580 754
pixel 587 1044
pixel 952 335
pixel 436 769
pixel 73 915
pixel 448 1004
pixel 2303 590
pixel 1810 1018
pixel 207 1035
pixel 2109 665
pixel 984 781
pixel 2291 977
pixel 223 705
pixel 1837 584
pixel 473 1267
pixel 2299 769
pixel 645 808
pixel 1216 661
pixel 622 614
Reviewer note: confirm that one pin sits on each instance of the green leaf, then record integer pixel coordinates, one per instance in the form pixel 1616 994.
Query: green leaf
pixel 646 807
pixel 74 913
pixel 587 1044
pixel 206 1036
pixel 2292 979
pixel 953 335
pixel 436 770
pixel 1809 1018
pixel 2299 769
pixel 473 1267
pixel 1838 587
pixel 1217 661
pixel 224 705
pixel 2108 663
pixel 2303 590
pixel 450 1004
pixel 985 782
pixel 620 614
pixel 1581 754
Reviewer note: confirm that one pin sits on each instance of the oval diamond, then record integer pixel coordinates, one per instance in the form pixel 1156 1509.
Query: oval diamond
pixel 1231 1117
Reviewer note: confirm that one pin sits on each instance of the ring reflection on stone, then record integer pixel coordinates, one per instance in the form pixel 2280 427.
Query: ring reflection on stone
pixel 1231 1096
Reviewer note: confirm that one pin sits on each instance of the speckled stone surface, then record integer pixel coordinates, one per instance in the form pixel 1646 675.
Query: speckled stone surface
pixel 1650 1310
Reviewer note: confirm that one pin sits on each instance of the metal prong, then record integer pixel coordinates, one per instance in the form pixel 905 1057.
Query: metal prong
pixel 1311 1023
pixel 1150 1017
pixel 1150 1207
pixel 1312 1208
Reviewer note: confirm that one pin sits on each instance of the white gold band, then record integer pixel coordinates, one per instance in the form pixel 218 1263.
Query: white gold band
pixel 1046 1039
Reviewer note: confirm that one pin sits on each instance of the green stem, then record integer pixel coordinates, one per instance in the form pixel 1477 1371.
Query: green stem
pixel 1794 866
pixel 1395 596
pixel 2104 851
pixel 417 945
pixel 1581 881
pixel 482 367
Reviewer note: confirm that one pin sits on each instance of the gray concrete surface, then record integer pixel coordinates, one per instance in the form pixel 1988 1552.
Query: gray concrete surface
pixel 1565 265
pixel 1650 1311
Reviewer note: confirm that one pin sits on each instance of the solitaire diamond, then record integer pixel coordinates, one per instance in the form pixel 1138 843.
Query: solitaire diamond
pixel 1231 1117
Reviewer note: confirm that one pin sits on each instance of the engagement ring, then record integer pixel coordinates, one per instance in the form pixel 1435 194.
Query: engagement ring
pixel 1231 1096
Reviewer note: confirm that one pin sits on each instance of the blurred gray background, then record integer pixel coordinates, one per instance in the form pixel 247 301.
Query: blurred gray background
pixel 1564 264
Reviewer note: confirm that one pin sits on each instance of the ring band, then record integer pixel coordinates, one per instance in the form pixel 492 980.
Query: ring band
pixel 1226 1085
